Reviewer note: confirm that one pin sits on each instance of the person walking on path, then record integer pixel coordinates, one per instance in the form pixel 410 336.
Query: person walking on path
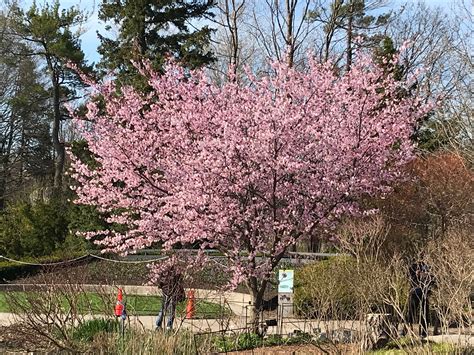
pixel 421 281
pixel 172 288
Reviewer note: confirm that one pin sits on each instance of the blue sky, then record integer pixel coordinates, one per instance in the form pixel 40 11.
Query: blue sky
pixel 89 36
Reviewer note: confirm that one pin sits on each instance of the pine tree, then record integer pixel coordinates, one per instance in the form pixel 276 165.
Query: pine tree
pixel 49 35
pixel 25 116
pixel 154 30
pixel 351 19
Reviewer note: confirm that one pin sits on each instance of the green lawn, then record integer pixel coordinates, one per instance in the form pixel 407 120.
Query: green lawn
pixel 136 305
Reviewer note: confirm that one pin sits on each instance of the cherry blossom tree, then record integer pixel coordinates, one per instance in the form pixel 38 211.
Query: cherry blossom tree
pixel 248 169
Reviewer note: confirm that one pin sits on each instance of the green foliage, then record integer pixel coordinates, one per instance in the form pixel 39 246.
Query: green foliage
pixel 80 149
pixel 103 272
pixel 25 137
pixel 428 135
pixel 317 283
pixel 86 331
pixel 45 229
pixel 30 104
pixel 51 33
pixel 247 341
pixel 151 29
pixel 299 338
pixel 242 341
pixel 12 271
pixel 431 136
pixel 274 340
pixel 384 53
pixel 148 342
pixel 337 287
pixel 84 218
pixel 33 229
pixel 363 24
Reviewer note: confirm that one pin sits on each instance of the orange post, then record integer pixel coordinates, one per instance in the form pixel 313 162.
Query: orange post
pixel 190 307
pixel 119 306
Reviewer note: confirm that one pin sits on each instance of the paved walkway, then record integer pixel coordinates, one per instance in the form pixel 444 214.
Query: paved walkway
pixel 238 303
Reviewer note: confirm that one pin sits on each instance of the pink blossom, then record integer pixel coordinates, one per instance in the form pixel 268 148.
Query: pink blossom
pixel 245 169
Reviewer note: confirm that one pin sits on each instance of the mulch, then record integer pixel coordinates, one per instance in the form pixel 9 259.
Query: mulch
pixel 301 350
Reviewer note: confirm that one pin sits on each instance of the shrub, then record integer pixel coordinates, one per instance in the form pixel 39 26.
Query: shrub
pixel 247 341
pixel 10 271
pixel 323 287
pixel 341 288
pixel 45 228
pixel 33 229
pixel 86 331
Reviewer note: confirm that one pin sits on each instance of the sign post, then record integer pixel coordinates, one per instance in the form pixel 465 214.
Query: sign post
pixel 285 292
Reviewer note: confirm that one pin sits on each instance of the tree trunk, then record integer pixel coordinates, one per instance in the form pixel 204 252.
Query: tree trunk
pixel 57 144
pixel 349 36
pixel 233 27
pixel 331 27
pixel 290 40
pixel 3 182
pixel 6 162
pixel 257 292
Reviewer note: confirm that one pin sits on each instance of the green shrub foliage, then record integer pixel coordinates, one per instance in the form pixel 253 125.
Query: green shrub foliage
pixel 339 288
pixel 46 228
pixel 87 330
pixel 33 229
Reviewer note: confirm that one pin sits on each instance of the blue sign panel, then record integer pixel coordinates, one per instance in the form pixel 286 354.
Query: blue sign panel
pixel 285 281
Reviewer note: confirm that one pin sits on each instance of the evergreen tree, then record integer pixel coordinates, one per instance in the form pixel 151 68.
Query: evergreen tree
pixel 153 30
pixel 427 133
pixel 49 34
pixel 25 115
pixel 32 107
pixel 350 19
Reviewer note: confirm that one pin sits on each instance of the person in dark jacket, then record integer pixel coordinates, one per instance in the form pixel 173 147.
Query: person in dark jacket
pixel 173 292
pixel 421 281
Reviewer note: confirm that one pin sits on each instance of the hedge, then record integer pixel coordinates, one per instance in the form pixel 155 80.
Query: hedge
pixel 10 271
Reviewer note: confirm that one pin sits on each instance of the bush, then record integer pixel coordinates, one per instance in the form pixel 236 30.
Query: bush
pixel 340 288
pixel 242 341
pixel 10 271
pixel 323 288
pixel 33 229
pixel 247 341
pixel 45 228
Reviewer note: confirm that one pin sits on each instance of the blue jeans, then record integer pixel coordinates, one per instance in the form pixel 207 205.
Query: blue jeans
pixel 167 307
